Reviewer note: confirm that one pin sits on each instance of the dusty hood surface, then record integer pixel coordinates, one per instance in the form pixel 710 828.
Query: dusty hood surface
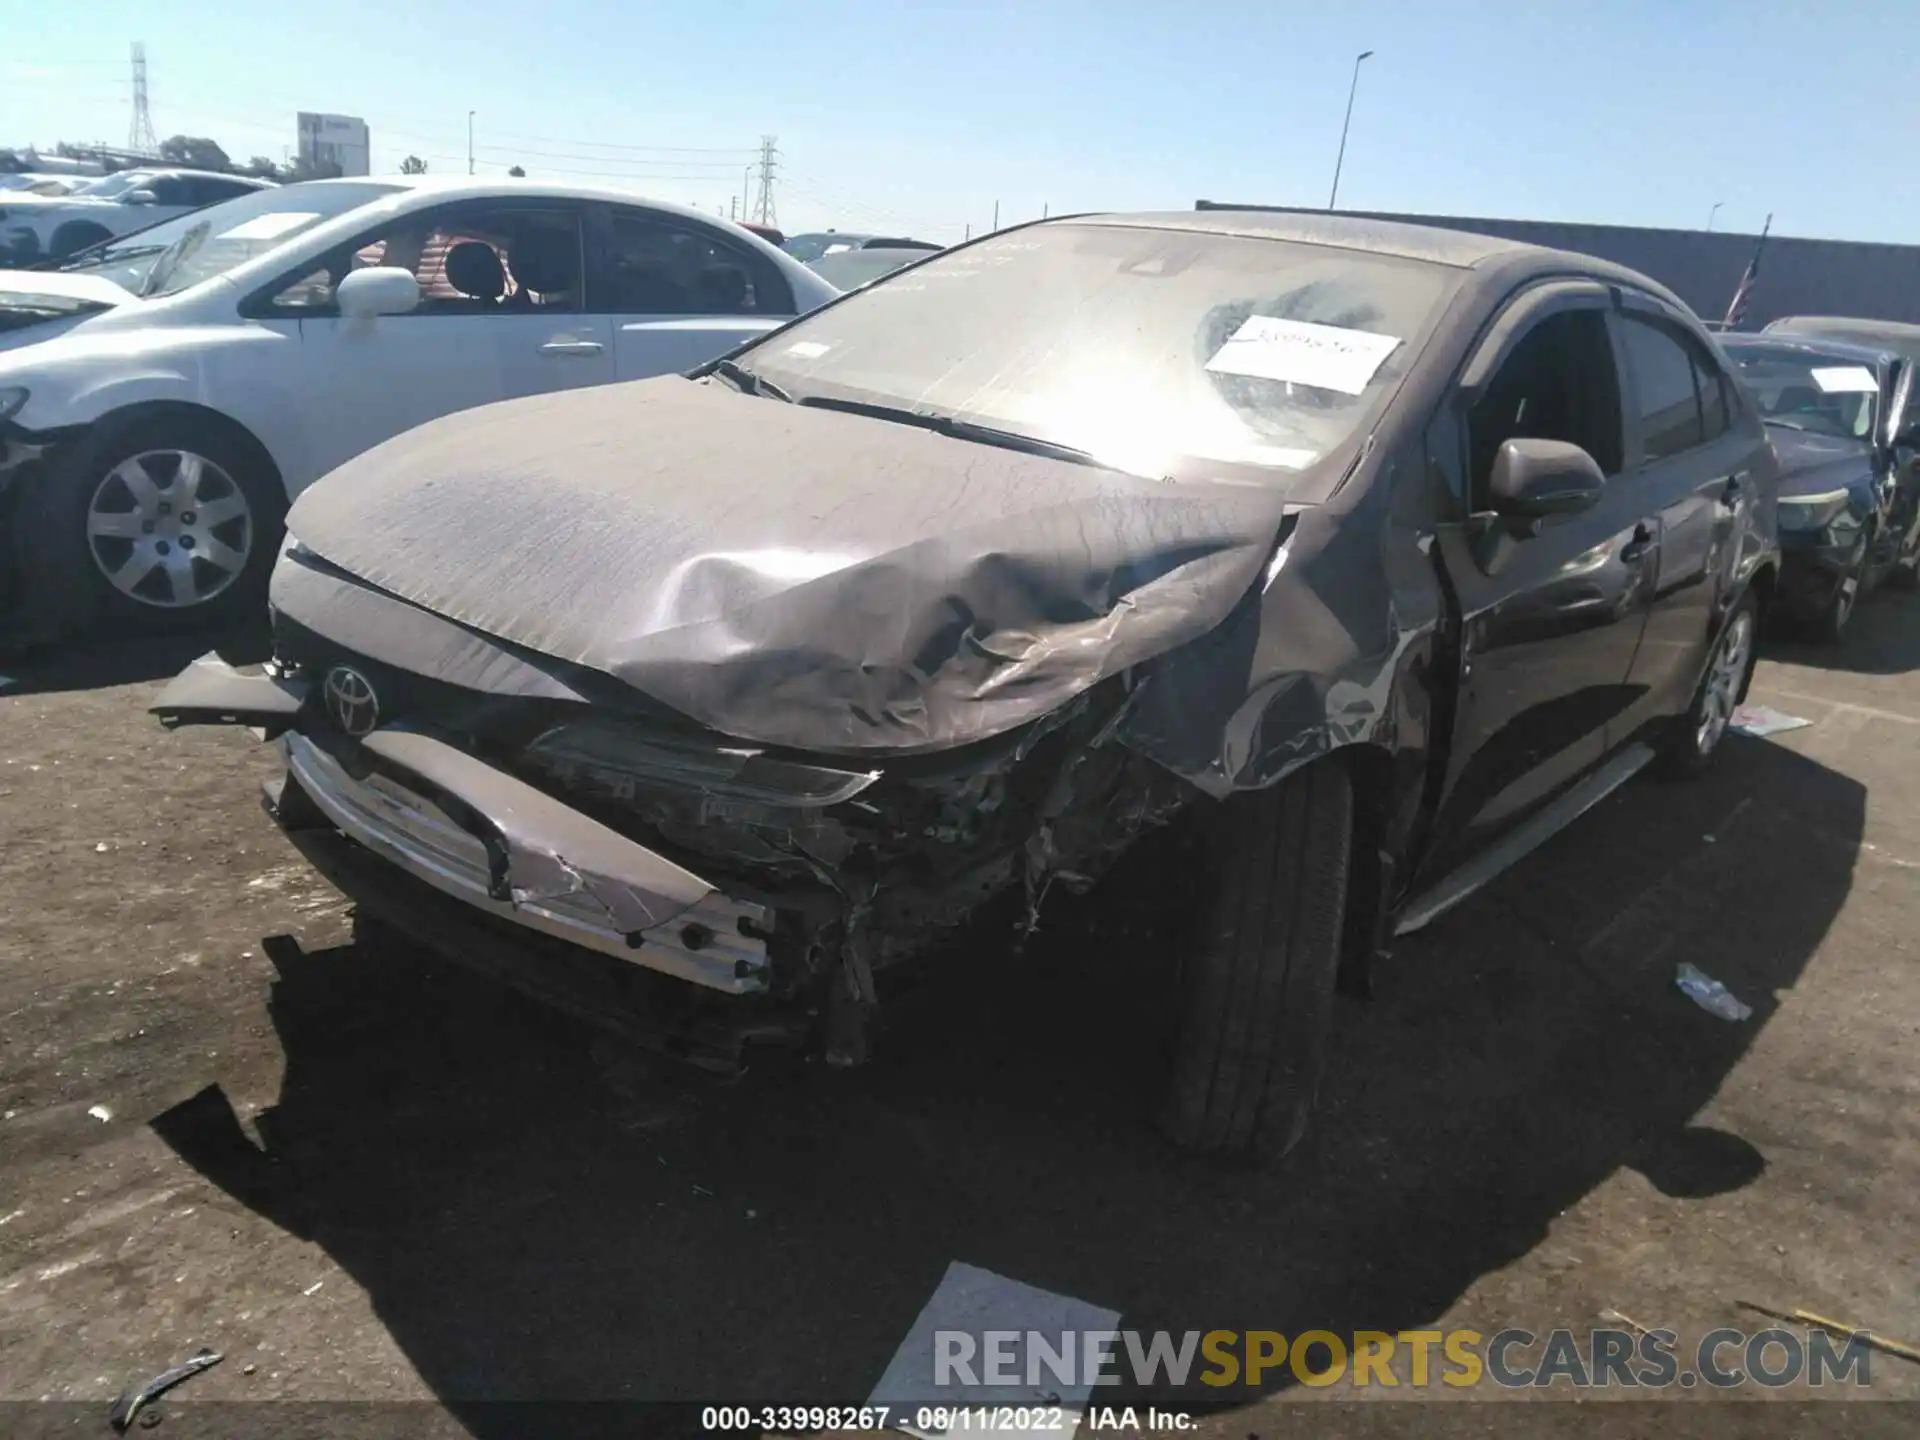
pixel 75 289
pixel 787 575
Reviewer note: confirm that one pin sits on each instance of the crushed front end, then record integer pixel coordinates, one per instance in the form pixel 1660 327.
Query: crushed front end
pixel 720 892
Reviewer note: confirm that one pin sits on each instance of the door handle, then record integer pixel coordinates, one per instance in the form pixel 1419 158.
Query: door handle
pixel 1635 550
pixel 571 347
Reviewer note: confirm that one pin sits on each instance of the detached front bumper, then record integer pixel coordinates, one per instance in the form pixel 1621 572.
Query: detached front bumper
pixel 487 838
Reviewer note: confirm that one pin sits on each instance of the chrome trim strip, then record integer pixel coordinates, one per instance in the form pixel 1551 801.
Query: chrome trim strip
pixel 414 834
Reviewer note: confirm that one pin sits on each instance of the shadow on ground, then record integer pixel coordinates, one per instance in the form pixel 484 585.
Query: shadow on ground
pixel 98 664
pixel 532 1222
pixel 1883 638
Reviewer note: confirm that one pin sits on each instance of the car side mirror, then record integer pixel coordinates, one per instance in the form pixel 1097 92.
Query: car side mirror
pixel 376 290
pixel 142 197
pixel 1540 479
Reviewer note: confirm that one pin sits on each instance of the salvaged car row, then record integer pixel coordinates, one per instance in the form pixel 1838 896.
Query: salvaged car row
pixel 1364 556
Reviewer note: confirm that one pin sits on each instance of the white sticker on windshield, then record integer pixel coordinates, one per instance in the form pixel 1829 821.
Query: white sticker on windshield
pixel 1326 357
pixel 270 227
pixel 808 349
pixel 1845 379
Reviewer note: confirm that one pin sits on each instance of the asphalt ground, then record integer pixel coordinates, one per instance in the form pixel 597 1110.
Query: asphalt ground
pixel 365 1175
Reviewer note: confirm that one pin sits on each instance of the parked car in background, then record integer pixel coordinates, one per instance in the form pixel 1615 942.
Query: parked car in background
pixel 850 269
pixel 811 247
pixel 773 235
pixel 35 183
pixel 1372 553
pixel 1847 431
pixel 162 398
pixel 39 227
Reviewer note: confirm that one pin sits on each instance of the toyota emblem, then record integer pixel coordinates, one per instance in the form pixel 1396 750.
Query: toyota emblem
pixel 351 701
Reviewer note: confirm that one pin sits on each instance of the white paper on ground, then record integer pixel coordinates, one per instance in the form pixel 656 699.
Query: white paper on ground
pixel 1326 357
pixel 974 1301
pixel 270 227
pixel 1845 379
pixel 1764 720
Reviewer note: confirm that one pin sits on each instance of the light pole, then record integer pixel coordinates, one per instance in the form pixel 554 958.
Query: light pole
pixel 1713 212
pixel 469 142
pixel 1340 159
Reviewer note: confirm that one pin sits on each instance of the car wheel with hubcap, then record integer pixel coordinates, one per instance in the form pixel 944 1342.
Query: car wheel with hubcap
pixel 1723 685
pixel 173 522
pixel 1832 625
pixel 71 239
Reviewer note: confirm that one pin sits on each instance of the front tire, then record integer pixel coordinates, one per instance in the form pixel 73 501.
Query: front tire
pixel 167 523
pixel 1723 685
pixel 1257 981
pixel 71 239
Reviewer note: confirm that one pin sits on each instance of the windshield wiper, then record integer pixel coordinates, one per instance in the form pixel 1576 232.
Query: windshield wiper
pixel 94 255
pixel 956 428
pixel 171 258
pixel 750 382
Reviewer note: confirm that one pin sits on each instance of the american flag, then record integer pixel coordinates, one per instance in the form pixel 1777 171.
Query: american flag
pixel 1737 311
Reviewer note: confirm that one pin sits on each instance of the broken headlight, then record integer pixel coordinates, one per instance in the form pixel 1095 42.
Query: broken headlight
pixel 1811 512
pixel 614 754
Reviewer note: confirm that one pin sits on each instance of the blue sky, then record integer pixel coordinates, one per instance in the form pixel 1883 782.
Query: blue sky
pixel 922 115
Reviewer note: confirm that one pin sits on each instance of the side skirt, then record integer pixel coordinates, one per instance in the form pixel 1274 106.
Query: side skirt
pixel 1424 909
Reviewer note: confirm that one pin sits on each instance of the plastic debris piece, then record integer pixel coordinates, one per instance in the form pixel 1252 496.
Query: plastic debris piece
pixel 1760 721
pixel 138 1397
pixel 314 1288
pixel 1709 994
pixel 101 848
pixel 101 1113
pixel 1838 1327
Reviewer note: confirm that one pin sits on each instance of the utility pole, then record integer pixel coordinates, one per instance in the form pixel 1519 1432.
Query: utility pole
pixel 746 189
pixel 996 214
pixel 1713 212
pixel 469 142
pixel 140 137
pixel 1340 159
pixel 969 234
pixel 769 161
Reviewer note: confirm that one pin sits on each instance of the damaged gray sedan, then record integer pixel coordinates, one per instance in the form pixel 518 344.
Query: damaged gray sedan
pixel 1373 553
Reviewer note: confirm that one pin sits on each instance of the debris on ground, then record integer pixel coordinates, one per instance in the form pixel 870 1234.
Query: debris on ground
pixel 1619 1317
pixel 139 1397
pixel 314 1288
pixel 1709 994
pixel 100 1113
pixel 1760 721
pixel 1821 1322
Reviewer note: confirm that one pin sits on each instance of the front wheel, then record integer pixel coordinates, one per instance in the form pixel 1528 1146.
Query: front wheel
pixel 1723 685
pixel 72 239
pixel 1257 979
pixel 170 522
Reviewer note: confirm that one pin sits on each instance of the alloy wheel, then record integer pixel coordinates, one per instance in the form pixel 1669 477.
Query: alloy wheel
pixel 1726 672
pixel 169 528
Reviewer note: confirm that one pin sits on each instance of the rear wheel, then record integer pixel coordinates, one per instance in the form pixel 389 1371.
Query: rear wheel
pixel 1723 685
pixel 1257 980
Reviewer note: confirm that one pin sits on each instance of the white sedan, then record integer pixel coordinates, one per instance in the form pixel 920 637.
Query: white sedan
pixel 34 227
pixel 162 401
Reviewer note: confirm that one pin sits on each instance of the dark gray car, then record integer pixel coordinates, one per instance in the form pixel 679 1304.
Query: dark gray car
pixel 1367 555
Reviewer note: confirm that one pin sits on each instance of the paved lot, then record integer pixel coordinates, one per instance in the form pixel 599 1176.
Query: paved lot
pixel 427 1189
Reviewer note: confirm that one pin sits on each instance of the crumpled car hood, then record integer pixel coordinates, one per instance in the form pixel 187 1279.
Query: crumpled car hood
pixel 1811 464
pixel 786 575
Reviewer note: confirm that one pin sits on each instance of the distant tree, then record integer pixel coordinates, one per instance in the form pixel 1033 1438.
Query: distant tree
pixel 517 173
pixel 261 168
pixel 413 165
pixel 195 150
pixel 304 169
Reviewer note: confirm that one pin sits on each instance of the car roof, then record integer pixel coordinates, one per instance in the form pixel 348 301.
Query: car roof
pixel 455 187
pixel 1811 343
pixel 1902 339
pixel 1393 238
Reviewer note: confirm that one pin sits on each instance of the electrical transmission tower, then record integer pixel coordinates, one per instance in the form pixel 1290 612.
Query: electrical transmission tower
pixel 769 161
pixel 140 138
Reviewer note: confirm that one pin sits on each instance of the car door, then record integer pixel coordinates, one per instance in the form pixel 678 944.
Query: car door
pixel 1549 615
pixel 172 195
pixel 678 293
pixel 1691 470
pixel 500 316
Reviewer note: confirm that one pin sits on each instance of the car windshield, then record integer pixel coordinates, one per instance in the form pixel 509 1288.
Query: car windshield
pixel 1805 390
pixel 808 248
pixel 210 242
pixel 1153 350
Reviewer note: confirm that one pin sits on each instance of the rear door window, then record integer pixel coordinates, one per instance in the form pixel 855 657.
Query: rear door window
pixel 1666 386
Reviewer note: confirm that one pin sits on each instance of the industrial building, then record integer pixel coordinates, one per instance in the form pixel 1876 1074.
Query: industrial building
pixel 1797 276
